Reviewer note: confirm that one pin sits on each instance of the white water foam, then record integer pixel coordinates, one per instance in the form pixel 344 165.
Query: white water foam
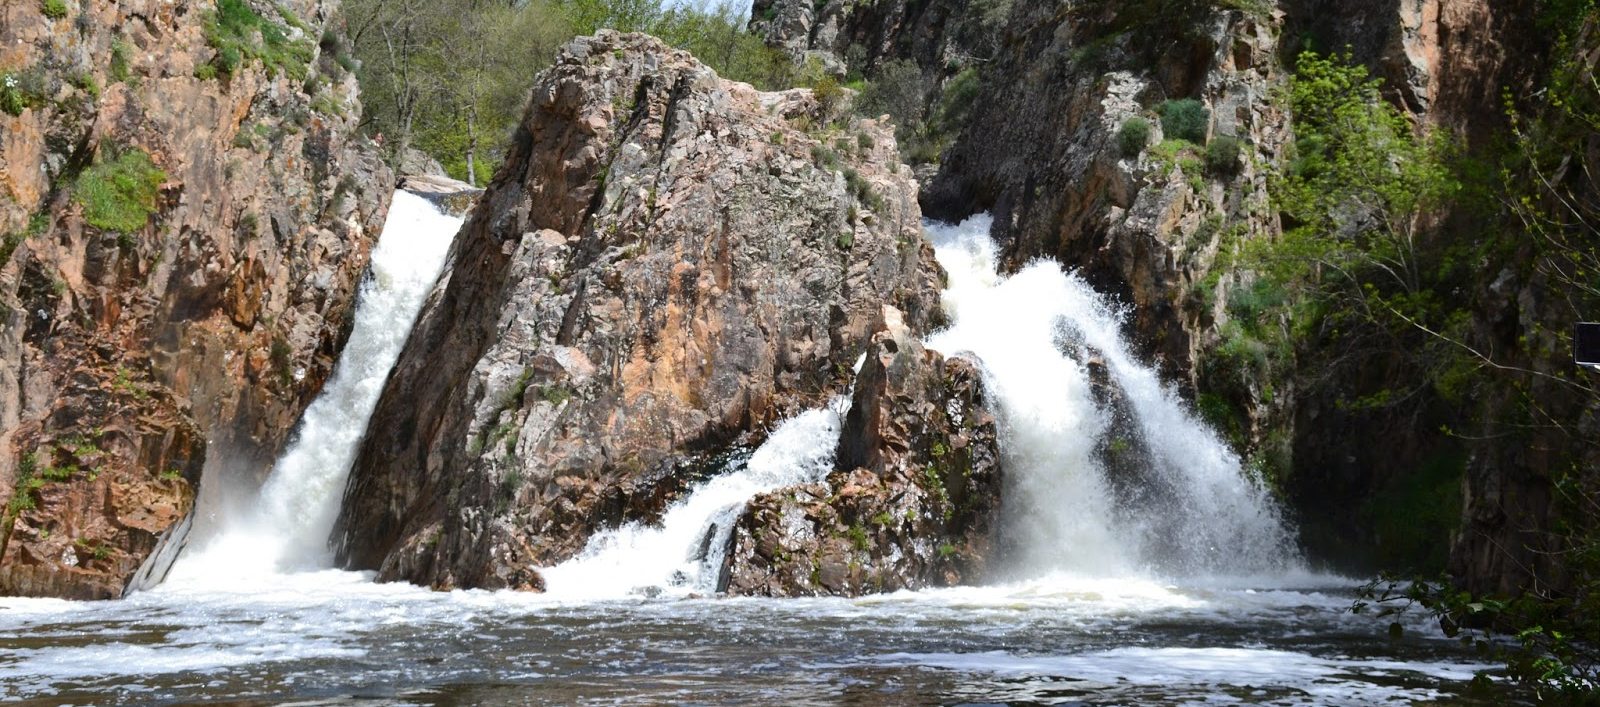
pixel 1262 675
pixel 288 529
pixel 684 553
pixel 1062 513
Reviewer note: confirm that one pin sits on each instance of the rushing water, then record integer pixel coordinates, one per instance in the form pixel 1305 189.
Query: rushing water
pixel 287 528
pixel 1189 510
pixel 1186 592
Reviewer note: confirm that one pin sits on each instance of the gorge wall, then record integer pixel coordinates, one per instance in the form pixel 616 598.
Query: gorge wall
pixel 1039 148
pixel 187 214
pixel 667 263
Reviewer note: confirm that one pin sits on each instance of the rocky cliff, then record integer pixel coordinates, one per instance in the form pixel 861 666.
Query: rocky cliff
pixel 187 215
pixel 667 263
pixel 1155 222
pixel 913 502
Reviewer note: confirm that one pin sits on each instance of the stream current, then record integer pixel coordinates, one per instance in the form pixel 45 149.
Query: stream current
pixel 1176 585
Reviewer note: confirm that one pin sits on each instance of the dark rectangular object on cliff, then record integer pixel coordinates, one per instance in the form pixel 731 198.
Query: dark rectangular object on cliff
pixel 1586 344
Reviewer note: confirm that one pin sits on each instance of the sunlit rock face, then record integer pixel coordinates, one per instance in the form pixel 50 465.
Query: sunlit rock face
pixel 668 263
pixel 914 499
pixel 137 353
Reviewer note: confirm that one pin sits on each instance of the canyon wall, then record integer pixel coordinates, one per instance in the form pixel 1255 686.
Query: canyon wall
pixel 1040 149
pixel 188 213
pixel 667 264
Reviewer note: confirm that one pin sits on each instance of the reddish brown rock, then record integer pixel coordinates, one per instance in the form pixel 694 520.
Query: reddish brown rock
pixel 195 341
pixel 914 501
pixel 668 263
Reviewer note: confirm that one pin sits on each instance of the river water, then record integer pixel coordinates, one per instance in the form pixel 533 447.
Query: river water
pixel 1173 583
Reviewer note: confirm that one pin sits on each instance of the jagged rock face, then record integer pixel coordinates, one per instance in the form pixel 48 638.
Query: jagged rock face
pixel 1447 61
pixel 132 361
pixel 667 263
pixel 914 499
pixel 1043 155
pixel 942 36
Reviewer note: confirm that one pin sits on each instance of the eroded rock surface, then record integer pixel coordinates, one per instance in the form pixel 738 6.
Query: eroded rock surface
pixel 134 358
pixel 913 502
pixel 668 263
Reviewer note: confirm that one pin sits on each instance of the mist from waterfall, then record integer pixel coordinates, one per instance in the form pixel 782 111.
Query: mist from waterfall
pixel 1184 508
pixel 287 527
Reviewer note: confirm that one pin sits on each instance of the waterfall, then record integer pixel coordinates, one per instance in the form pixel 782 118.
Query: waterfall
pixel 1189 510
pixel 288 527
pixel 684 554
pixel 1184 507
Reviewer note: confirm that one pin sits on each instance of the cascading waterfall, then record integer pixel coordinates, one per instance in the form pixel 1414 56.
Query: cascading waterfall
pixel 288 528
pixel 1197 512
pixel 685 552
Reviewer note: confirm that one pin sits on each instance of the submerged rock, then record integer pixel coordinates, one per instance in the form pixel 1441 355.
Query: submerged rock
pixel 668 263
pixel 913 501
pixel 181 330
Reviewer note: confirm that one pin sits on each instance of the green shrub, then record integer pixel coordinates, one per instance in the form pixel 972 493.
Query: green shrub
pixel 1185 119
pixel 899 90
pixel 27 89
pixel 1222 155
pixel 238 35
pixel 53 9
pixel 120 52
pixel 119 194
pixel 1133 136
pixel 9 243
pixel 830 96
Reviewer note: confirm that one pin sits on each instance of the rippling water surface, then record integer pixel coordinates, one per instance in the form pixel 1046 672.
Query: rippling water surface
pixel 245 619
pixel 334 638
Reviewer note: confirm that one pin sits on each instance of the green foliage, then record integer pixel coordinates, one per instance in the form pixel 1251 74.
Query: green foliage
pixel 862 190
pixel 53 9
pixel 239 35
pixel 1133 136
pixel 899 90
pixel 830 96
pixel 1222 155
pixel 8 244
pixel 87 84
pixel 13 97
pixel 555 394
pixel 1185 119
pixel 27 482
pixel 1357 276
pixel 282 357
pixel 450 77
pixel 1416 512
pixel 1545 640
pixel 119 192
pixel 858 538
pixel 121 53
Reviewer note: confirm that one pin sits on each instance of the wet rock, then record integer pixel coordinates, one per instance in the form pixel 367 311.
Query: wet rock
pixel 914 501
pixel 451 196
pixel 134 362
pixel 668 263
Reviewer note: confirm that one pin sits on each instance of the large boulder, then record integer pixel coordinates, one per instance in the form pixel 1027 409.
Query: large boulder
pixel 152 339
pixel 668 263
pixel 914 499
